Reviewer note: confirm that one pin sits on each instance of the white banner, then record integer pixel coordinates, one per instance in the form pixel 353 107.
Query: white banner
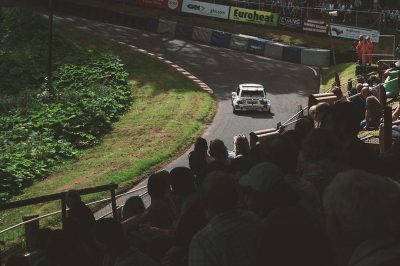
pixel 205 9
pixel 353 32
pixel 315 26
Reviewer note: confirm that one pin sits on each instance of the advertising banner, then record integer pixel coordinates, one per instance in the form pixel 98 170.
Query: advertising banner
pixel 162 4
pixel 153 3
pixel 253 16
pixel 290 22
pixel 205 9
pixel 315 26
pixel 353 32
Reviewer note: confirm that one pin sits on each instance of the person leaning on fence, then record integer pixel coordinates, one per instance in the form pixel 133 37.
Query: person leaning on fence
pixel 391 83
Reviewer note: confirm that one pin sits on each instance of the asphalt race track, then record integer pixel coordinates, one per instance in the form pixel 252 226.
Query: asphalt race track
pixel 288 85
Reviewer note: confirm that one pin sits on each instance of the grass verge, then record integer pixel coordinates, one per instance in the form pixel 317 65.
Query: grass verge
pixel 346 71
pixel 168 112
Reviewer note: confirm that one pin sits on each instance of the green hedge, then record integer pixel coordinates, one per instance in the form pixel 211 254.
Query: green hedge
pixel 41 129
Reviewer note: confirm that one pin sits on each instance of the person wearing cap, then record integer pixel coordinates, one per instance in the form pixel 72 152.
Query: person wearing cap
pixel 391 83
pixel 230 238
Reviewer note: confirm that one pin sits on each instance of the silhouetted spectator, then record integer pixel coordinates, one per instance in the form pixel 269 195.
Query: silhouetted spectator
pixel 342 121
pixel 363 219
pixel 78 211
pixel 112 241
pixel 39 256
pixel 230 237
pixel 285 241
pixel 198 164
pixel 269 192
pixel 133 206
pixel 339 94
pixel 320 153
pixel 191 216
pixel 373 110
pixel 201 146
pixel 279 150
pixel 219 152
pixel 359 101
pixel 63 249
pixel 162 210
pixel 241 146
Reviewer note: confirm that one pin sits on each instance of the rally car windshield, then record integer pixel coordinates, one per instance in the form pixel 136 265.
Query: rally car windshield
pixel 252 94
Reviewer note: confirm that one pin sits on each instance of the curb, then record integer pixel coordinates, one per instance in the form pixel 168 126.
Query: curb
pixel 203 86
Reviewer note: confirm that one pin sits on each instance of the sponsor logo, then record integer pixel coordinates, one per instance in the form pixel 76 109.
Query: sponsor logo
pixel 195 7
pixel 290 22
pixel 218 12
pixel 253 16
pixel 205 9
pixel 173 4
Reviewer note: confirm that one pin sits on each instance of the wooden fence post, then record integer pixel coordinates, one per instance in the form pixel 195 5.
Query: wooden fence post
pixel 31 232
pixel 63 210
pixel 114 204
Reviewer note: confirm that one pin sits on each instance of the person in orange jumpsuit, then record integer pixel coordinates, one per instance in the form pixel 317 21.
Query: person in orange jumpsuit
pixel 359 49
pixel 369 50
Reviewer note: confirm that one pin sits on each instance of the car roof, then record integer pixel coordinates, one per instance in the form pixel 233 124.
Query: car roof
pixel 252 87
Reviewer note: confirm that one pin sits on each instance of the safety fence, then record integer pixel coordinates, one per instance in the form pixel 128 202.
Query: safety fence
pixel 347 23
pixel 251 44
pixel 26 231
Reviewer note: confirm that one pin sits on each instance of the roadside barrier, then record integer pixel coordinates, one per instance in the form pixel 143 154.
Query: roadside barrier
pixel 183 31
pixel 202 35
pixel 274 50
pixel 152 25
pixel 315 57
pixel 239 42
pixel 166 27
pixel 220 38
pixel 256 46
pixel 292 54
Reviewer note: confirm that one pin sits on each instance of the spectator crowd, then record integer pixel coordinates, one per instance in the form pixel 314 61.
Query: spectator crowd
pixel 316 195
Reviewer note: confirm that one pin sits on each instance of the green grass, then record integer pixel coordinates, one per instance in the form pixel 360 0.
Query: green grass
pixel 346 71
pixel 168 112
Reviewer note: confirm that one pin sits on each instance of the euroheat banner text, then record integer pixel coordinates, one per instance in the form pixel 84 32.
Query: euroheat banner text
pixel 253 16
pixel 315 26
pixel 205 9
pixel 354 32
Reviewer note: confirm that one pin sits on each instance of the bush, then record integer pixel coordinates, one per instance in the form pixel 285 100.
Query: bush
pixel 40 129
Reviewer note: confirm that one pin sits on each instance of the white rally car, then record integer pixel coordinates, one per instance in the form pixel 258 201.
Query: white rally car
pixel 250 97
